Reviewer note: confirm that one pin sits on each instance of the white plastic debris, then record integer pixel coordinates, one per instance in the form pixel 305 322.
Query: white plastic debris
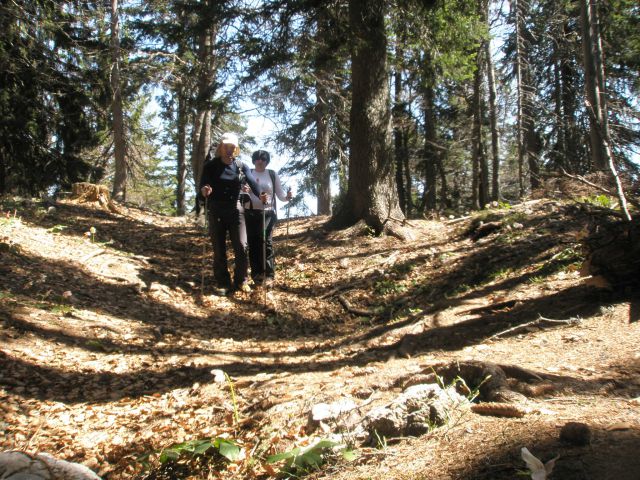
pixel 539 470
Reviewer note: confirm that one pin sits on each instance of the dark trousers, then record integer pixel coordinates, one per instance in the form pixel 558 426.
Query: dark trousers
pixel 226 217
pixel 255 237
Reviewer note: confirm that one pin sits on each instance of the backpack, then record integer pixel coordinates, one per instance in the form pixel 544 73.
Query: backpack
pixel 241 175
pixel 272 174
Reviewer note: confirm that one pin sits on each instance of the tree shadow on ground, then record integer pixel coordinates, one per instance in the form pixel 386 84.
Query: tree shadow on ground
pixel 477 330
pixel 611 455
pixel 174 248
pixel 41 381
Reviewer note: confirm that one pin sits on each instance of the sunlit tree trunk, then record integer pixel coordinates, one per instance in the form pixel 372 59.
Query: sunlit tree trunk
pixel 479 182
pixel 520 95
pixel 371 194
pixel 181 171
pixel 120 177
pixel 201 134
pixel 323 135
pixel 400 135
pixel 323 160
pixel 493 117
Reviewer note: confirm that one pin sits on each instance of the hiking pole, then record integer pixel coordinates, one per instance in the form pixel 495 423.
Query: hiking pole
pixel 288 218
pixel 264 251
pixel 204 245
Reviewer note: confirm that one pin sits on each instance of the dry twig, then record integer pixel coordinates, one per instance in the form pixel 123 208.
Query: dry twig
pixel 356 311
pixel 537 322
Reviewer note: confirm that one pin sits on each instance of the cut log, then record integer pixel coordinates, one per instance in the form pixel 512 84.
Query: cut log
pixel 613 252
pixel 89 192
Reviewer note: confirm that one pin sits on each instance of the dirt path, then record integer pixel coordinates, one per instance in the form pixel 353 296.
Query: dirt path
pixel 110 351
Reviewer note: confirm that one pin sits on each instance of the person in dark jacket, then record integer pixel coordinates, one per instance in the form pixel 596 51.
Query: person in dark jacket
pixel 220 184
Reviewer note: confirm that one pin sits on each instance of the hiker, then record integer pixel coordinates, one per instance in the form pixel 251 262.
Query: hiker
pixel 261 217
pixel 222 179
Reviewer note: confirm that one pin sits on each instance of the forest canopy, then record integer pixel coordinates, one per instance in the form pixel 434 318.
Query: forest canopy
pixel 426 106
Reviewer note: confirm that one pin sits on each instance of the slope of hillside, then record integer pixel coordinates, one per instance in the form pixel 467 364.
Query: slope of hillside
pixel 111 350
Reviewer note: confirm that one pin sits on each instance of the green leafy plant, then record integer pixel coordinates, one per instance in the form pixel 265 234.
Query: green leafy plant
pixel 386 286
pixel 604 201
pixel 460 384
pixel 403 268
pixel 303 460
pixel 499 274
pixel 537 279
pixel 193 448
pixel 57 228
pixel 62 309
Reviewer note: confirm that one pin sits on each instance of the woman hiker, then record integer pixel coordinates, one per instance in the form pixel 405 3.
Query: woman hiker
pixel 261 216
pixel 223 177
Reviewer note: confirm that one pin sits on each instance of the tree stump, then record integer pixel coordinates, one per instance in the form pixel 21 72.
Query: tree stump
pixel 613 253
pixel 89 192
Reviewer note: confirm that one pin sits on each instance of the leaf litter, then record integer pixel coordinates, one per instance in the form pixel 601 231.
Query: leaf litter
pixel 111 354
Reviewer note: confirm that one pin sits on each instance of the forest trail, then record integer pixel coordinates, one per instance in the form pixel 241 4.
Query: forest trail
pixel 110 351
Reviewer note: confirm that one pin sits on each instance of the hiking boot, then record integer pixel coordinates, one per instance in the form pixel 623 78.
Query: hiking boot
pixel 221 291
pixel 263 281
pixel 244 288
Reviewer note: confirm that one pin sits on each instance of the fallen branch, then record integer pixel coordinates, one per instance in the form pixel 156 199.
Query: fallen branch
pixel 356 311
pixel 604 138
pixel 459 219
pixel 91 255
pixel 537 322
pixel 335 290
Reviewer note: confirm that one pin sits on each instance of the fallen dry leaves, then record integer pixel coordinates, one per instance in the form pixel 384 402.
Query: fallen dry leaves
pixel 109 348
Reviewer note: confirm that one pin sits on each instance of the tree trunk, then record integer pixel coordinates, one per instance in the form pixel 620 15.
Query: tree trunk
pixel 201 136
pixel 371 194
pixel 323 161
pixel 181 171
pixel 493 119
pixel 407 174
pixel 3 172
pixel 572 139
pixel 119 192
pixel 594 82
pixel 480 180
pixel 519 94
pixel 430 140
pixel 398 133
pixel 559 159
pixel 322 119
pixel 444 190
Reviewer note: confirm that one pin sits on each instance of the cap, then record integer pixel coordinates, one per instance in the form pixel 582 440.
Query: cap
pixel 230 138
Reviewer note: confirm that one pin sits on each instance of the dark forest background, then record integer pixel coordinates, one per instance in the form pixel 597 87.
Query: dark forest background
pixel 408 107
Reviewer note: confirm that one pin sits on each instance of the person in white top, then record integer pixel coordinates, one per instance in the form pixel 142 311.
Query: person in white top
pixel 261 217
